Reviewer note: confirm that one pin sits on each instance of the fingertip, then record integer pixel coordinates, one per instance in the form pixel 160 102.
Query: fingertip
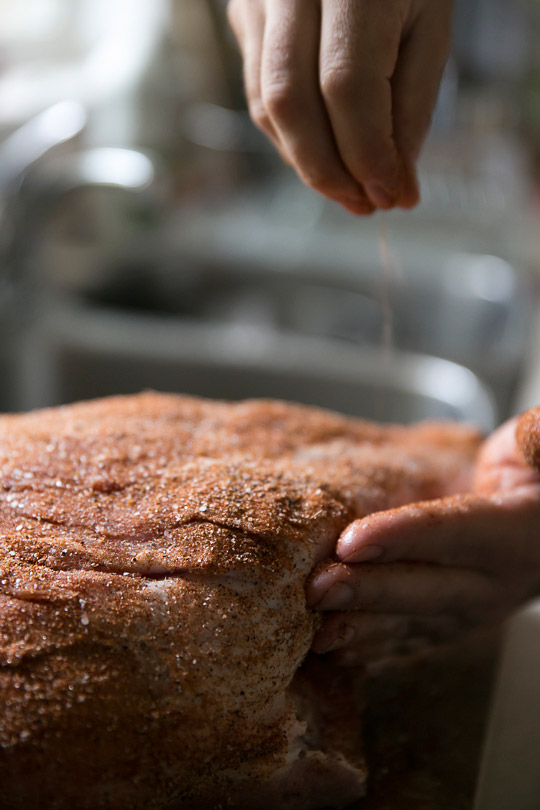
pixel 409 198
pixel 350 540
pixel 390 181
pixel 409 195
pixel 381 195
pixel 327 590
pixel 361 208
pixel 380 175
pixel 355 545
pixel 317 588
pixel 340 596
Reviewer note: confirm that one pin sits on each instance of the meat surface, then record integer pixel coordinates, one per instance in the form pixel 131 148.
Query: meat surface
pixel 154 551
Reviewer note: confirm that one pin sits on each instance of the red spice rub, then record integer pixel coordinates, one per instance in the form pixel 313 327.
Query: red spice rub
pixel 153 556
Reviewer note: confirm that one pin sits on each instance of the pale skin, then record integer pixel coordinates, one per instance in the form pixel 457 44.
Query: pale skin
pixel 345 89
pixel 430 571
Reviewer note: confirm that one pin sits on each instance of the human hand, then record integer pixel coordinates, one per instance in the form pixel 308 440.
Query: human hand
pixel 345 89
pixel 430 571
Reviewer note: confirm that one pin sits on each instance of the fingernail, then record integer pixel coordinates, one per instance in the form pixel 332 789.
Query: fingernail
pixel 350 547
pixel 358 206
pixel 339 597
pixel 364 554
pixel 410 187
pixel 380 195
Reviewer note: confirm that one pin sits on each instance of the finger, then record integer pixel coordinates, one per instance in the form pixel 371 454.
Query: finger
pixel 528 437
pixel 247 21
pixel 358 54
pixel 366 636
pixel 415 86
pixel 291 97
pixel 492 535
pixel 403 588
pixel 500 465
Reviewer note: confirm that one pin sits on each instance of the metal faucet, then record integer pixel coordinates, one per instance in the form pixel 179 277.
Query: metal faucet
pixel 30 188
pixel 34 139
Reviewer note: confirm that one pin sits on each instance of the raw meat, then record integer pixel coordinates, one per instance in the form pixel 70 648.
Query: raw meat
pixel 154 552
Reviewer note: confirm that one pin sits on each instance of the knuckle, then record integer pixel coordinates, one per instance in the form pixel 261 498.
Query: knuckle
pixel 280 99
pixel 339 83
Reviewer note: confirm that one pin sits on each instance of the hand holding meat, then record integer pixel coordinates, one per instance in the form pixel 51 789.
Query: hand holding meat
pixel 437 568
pixel 345 89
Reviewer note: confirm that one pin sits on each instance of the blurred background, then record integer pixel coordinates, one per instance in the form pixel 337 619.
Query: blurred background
pixel 150 237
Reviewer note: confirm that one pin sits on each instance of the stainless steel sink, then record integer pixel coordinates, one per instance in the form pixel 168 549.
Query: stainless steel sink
pixel 81 351
pixel 244 299
pixel 471 308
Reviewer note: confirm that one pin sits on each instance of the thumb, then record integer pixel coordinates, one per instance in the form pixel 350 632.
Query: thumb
pixel 528 437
